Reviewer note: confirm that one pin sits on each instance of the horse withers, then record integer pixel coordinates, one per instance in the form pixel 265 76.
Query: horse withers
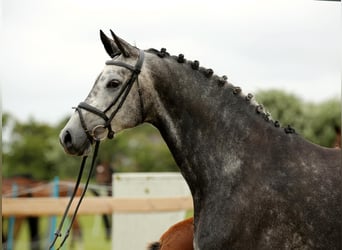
pixel 255 184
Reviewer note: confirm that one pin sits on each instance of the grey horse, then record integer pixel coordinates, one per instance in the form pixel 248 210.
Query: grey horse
pixel 255 184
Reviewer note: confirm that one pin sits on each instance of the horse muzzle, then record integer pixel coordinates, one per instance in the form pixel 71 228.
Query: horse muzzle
pixel 74 140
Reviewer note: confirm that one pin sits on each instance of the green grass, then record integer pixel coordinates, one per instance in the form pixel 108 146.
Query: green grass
pixel 92 229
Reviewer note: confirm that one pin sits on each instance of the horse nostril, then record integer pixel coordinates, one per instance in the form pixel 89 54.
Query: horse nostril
pixel 67 139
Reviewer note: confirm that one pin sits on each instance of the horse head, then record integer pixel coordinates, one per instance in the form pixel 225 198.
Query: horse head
pixel 114 103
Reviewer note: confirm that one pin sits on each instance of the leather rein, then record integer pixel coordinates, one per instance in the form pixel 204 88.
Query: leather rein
pixel 119 100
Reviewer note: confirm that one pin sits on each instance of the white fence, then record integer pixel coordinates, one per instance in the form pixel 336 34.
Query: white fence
pixel 137 230
pixel 144 206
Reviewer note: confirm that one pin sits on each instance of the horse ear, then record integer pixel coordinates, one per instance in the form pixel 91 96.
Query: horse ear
pixel 109 45
pixel 125 48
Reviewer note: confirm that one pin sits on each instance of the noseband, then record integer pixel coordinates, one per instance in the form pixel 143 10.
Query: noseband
pixel 119 100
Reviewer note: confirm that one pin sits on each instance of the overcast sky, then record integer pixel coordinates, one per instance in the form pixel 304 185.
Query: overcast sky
pixel 51 51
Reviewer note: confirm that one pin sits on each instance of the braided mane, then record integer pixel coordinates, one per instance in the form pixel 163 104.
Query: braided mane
pixel 221 81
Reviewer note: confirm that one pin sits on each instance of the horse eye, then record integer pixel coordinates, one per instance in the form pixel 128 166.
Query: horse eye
pixel 113 84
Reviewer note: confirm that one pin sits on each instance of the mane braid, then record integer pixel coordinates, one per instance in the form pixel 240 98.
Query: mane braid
pixel 221 81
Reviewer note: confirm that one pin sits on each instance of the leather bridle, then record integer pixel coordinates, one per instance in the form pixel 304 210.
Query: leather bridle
pixel 118 100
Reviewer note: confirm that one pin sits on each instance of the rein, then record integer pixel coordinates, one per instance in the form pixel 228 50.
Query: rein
pixel 58 233
pixel 93 136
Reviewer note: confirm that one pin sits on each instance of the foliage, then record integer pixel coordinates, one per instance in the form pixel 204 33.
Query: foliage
pixel 28 149
pixel 322 120
pixel 33 147
pixel 138 150
pixel 314 121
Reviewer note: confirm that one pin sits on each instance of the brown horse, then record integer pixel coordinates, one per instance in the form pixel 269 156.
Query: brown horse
pixel 177 237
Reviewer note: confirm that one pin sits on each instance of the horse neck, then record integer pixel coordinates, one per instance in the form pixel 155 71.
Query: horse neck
pixel 203 122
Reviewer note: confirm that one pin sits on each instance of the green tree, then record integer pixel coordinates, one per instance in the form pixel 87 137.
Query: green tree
pixel 140 149
pixel 322 119
pixel 27 150
pixel 33 148
pixel 314 121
